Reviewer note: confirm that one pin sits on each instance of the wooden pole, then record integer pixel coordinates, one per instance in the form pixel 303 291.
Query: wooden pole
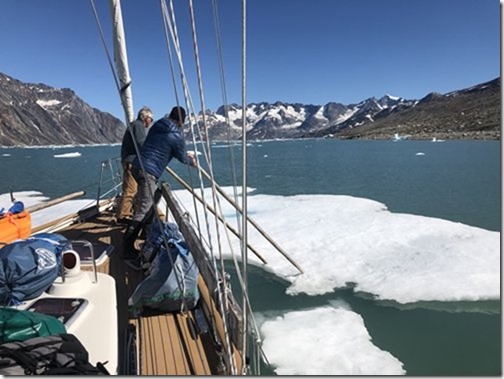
pixel 259 229
pixel 221 219
pixel 52 224
pixel 50 203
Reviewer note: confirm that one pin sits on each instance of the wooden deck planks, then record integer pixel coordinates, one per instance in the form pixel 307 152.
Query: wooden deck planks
pixel 167 344
pixel 195 350
pixel 164 349
pixel 205 294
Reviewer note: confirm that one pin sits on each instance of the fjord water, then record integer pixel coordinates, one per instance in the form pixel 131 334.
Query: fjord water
pixel 452 180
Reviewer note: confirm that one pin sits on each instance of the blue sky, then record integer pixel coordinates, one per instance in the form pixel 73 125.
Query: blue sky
pixel 298 51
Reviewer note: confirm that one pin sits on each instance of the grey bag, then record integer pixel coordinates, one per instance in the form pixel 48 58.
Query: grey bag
pixel 172 283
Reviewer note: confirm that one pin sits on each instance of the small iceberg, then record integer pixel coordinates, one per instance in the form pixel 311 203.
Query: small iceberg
pixel 420 153
pixel 68 155
pixel 397 137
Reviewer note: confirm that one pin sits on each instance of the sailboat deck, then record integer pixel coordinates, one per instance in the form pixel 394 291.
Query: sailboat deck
pixel 169 346
pixel 166 344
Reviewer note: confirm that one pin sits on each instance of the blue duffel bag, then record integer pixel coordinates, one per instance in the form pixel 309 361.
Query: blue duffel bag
pixel 29 267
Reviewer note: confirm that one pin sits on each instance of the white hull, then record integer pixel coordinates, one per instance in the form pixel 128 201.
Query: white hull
pixel 96 325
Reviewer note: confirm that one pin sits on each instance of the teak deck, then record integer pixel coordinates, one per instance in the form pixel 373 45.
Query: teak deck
pixel 166 344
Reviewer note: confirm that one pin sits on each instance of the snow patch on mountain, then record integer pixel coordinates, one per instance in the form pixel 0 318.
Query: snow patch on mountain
pixel 47 103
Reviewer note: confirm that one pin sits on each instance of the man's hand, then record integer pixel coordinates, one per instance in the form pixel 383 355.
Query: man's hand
pixel 191 156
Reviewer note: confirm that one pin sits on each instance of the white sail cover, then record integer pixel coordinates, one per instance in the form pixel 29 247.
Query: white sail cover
pixel 121 59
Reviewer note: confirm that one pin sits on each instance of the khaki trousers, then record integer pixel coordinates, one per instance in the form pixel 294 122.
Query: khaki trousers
pixel 129 190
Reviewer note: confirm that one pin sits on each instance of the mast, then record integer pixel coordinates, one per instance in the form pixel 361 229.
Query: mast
pixel 121 60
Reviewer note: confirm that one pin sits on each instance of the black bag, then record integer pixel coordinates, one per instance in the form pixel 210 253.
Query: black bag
pixel 59 354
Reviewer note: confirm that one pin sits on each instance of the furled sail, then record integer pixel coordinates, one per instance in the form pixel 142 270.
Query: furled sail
pixel 121 59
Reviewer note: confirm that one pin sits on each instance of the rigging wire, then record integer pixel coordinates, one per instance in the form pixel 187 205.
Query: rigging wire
pixel 121 90
pixel 172 30
pixel 223 299
pixel 228 129
pixel 205 125
pixel 170 57
pixel 124 97
pixel 170 22
pixel 244 174
pixel 215 199
pixel 170 25
pixel 226 107
pixel 167 27
pixel 129 120
pixel 208 155
pixel 244 290
pixel 114 74
pixel 232 166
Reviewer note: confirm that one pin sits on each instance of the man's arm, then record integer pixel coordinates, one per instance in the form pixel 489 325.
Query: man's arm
pixel 180 152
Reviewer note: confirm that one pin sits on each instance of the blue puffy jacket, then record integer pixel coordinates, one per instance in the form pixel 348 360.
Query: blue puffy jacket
pixel 164 142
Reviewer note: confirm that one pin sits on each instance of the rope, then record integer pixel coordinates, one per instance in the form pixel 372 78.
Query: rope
pixel 170 23
pixel 225 102
pixel 168 48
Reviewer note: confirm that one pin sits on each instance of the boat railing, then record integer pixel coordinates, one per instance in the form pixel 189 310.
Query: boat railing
pixel 110 178
pixel 70 247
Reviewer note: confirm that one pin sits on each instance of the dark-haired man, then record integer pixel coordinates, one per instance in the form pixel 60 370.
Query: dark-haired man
pixel 164 142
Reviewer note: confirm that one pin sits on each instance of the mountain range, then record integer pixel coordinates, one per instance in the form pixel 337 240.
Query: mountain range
pixel 37 114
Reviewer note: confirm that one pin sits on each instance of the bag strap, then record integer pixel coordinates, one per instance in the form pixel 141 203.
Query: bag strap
pixel 28 363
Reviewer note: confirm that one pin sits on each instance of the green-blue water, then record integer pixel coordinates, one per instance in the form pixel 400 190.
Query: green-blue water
pixel 454 180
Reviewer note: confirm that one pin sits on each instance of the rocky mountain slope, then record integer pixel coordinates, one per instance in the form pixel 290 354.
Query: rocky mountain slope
pixel 472 113
pixel 36 114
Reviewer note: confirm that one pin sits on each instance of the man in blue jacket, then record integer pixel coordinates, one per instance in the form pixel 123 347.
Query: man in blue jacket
pixel 164 142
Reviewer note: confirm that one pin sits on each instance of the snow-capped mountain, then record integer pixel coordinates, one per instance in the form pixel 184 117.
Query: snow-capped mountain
pixel 36 114
pixel 283 120
pixel 468 113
